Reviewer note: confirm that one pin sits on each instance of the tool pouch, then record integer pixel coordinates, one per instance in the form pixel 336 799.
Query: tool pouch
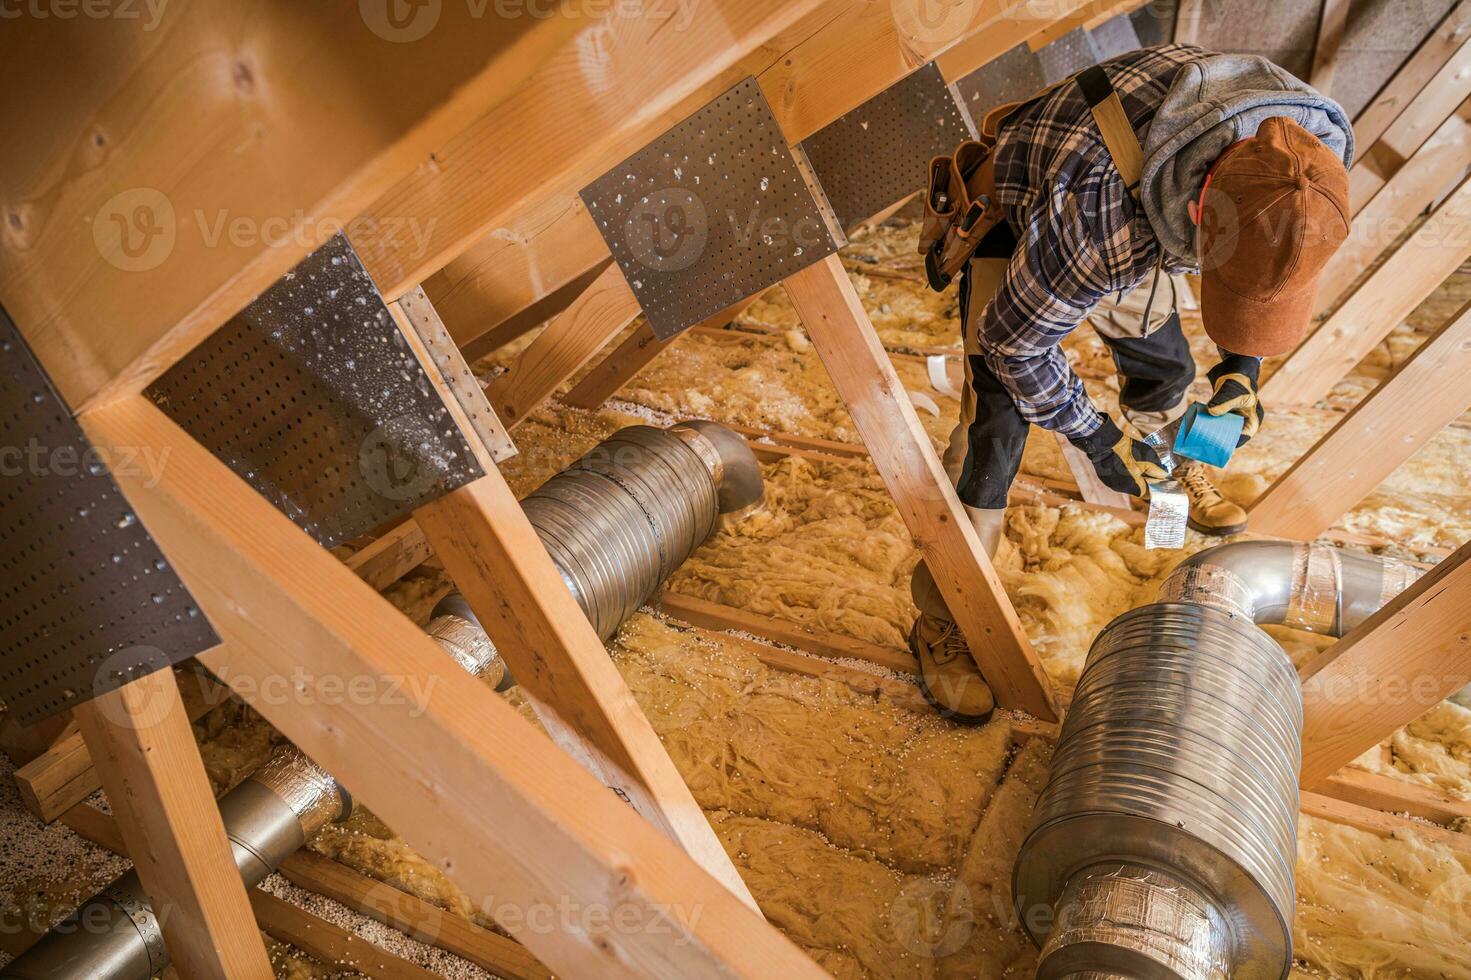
pixel 958 209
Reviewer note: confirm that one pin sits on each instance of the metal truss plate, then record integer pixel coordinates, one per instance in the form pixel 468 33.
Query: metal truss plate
pixel 714 210
pixel 1010 77
pixel 1067 56
pixel 1115 36
pixel 313 396
pixel 87 601
pixel 878 154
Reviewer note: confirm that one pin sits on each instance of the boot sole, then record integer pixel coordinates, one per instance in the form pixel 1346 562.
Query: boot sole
pixel 1215 531
pixel 951 714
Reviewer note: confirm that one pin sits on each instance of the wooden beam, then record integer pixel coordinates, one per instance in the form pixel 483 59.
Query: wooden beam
pixel 1332 23
pixel 22 743
pixel 150 767
pixel 1390 795
pixel 1381 823
pixel 532 316
pixel 1378 162
pixel 1435 166
pixel 1412 77
pixel 565 346
pixel 493 553
pixel 1379 304
pixel 839 328
pixel 468 783
pixel 1395 666
pixel 1189 18
pixel 634 354
pixel 716 616
pixel 390 557
pixel 600 98
pixel 127 241
pixel 412 916
pixel 1422 396
pixel 828 63
pixel 329 942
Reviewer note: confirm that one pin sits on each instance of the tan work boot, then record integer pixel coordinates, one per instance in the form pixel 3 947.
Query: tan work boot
pixel 948 675
pixel 1210 513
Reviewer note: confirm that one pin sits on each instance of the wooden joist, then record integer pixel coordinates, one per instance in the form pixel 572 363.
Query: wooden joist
pixel 860 369
pixel 1405 412
pixel 150 768
pixel 1394 667
pixel 412 916
pixel 1378 305
pixel 129 238
pixel 1380 823
pixel 1390 795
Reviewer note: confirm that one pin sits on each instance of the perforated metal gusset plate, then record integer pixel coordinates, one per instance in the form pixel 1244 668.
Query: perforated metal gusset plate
pixel 1115 36
pixel 1068 55
pixel 711 212
pixel 1011 77
pixel 878 153
pixel 313 396
pixel 87 601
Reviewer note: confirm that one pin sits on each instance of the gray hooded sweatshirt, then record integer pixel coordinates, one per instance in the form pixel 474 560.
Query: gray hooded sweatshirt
pixel 1212 103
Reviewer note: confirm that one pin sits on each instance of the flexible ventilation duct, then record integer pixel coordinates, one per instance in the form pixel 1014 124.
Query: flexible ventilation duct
pixel 621 519
pixel 1164 843
pixel 616 523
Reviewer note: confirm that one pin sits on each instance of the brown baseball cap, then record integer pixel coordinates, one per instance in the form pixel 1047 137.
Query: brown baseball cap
pixel 1271 214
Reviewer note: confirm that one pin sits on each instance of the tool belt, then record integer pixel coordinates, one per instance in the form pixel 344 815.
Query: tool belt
pixel 960 204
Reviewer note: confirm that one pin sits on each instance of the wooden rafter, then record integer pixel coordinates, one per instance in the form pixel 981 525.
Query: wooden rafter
pixel 150 767
pixel 1411 78
pixel 1420 398
pixel 572 339
pixel 202 160
pixel 1379 304
pixel 466 781
pixel 1386 215
pixel 1394 667
pixel 1332 24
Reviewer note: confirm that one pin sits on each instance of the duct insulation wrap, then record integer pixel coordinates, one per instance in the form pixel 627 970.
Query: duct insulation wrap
pixel 115 934
pixel 1174 783
pixel 621 519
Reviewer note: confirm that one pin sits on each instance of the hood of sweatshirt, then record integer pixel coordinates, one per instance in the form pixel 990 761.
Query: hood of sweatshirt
pixel 1212 103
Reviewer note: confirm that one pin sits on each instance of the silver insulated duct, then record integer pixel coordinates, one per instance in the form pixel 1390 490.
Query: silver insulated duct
pixel 621 519
pixel 616 522
pixel 1165 841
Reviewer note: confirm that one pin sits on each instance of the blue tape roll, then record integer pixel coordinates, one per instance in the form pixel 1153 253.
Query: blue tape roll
pixel 1211 439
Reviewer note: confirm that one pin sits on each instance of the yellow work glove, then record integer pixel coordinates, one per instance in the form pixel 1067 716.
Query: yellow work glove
pixel 1122 462
pixel 1234 389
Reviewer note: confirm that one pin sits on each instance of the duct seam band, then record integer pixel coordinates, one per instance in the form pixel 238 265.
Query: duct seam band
pixel 1210 585
pixel 1398 576
pixel 1317 574
pixel 138 911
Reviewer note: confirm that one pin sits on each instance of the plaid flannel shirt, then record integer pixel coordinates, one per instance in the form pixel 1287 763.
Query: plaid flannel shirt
pixel 1080 235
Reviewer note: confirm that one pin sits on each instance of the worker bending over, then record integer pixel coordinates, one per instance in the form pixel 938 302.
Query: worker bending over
pixel 1163 160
